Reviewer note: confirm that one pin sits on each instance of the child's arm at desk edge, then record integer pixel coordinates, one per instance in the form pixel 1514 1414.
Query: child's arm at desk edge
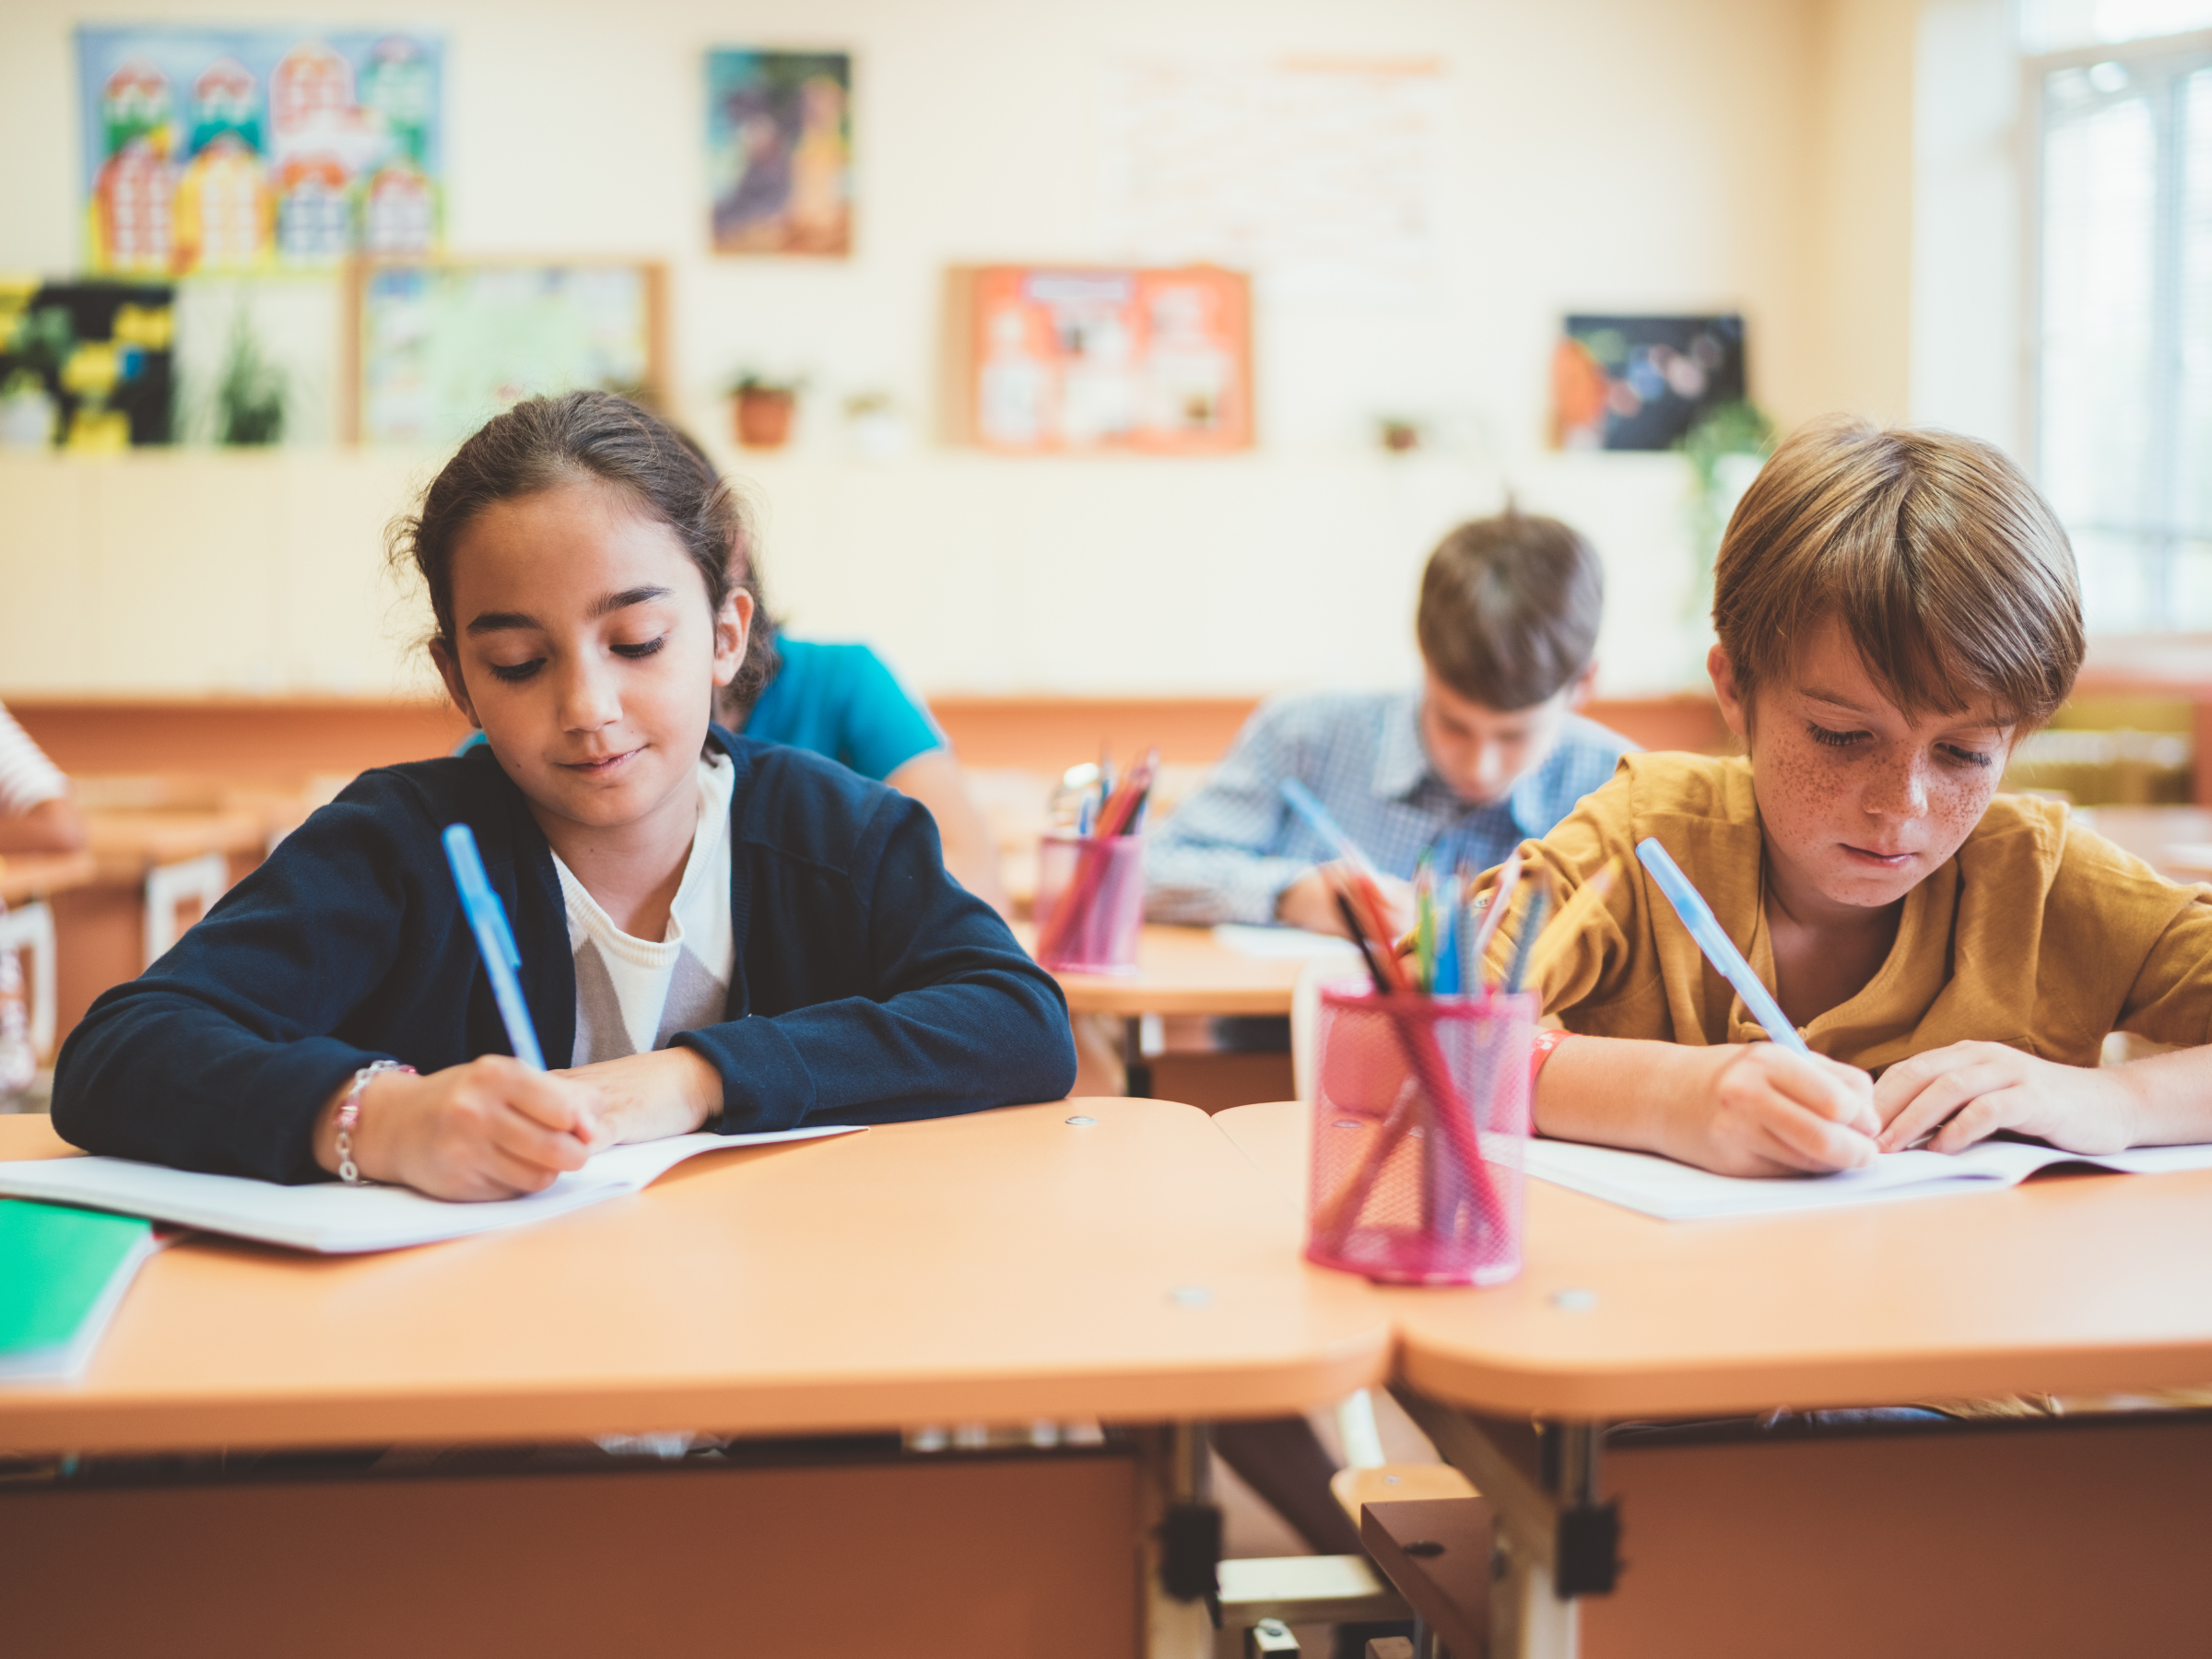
pixel 1737 1109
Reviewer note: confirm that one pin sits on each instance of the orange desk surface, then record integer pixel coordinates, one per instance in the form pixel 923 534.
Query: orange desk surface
pixel 34 875
pixel 2069 1284
pixel 1179 971
pixel 1000 1268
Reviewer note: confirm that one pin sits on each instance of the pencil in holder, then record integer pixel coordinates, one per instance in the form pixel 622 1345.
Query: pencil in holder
pixel 1091 902
pixel 1421 1135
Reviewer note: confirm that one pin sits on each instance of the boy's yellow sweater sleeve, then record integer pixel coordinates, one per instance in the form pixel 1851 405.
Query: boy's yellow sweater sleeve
pixel 1598 833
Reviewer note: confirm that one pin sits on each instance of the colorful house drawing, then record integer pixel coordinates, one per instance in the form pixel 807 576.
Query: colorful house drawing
pixel 398 86
pixel 134 104
pixel 223 209
pixel 231 149
pixel 131 226
pixel 226 99
pixel 312 80
pixel 399 216
pixel 314 209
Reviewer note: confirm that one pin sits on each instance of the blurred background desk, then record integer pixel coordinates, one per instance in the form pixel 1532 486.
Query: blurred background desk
pixel 1186 978
pixel 28 876
pixel 164 848
pixel 27 880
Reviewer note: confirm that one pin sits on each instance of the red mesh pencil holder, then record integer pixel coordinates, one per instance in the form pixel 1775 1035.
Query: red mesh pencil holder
pixel 1421 1135
pixel 1091 902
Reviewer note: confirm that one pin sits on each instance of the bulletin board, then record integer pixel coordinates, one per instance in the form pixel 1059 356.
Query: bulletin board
pixel 1055 359
pixel 438 348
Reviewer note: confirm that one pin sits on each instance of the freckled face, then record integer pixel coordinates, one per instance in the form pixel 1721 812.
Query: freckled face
pixel 1859 803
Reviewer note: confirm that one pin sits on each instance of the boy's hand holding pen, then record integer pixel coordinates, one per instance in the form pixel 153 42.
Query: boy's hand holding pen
pixel 1763 1108
pixel 1778 1107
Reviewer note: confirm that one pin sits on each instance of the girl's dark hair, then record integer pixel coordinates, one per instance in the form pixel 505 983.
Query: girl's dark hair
pixel 543 443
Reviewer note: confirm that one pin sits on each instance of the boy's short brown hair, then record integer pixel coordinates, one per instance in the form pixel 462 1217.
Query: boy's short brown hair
pixel 1509 607
pixel 1950 573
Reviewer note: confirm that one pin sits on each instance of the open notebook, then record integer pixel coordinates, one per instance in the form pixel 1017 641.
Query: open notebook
pixel 339 1220
pixel 1676 1192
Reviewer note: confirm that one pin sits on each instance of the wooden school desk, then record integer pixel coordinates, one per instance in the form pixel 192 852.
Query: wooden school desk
pixel 164 849
pixel 1009 1267
pixel 2021 1537
pixel 26 877
pixel 1180 971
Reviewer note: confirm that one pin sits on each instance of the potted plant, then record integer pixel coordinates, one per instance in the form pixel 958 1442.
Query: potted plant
pixel 763 407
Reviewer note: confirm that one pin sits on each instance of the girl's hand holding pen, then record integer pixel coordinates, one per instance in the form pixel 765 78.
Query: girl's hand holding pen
pixel 647 1097
pixel 490 1128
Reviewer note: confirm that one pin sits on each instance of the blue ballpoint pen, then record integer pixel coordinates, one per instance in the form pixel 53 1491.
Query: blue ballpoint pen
pixel 1310 809
pixel 487 920
pixel 1720 950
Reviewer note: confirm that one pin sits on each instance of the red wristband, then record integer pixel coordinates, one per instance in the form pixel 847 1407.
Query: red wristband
pixel 1540 1050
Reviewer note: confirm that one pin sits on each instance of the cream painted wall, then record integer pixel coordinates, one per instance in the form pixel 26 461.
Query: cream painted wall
pixel 1969 346
pixel 1626 154
pixel 1862 246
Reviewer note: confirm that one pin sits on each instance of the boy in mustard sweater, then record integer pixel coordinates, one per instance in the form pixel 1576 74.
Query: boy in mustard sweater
pixel 1895 610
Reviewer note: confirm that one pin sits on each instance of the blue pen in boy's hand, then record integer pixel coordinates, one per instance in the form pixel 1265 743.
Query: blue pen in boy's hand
pixel 1720 950
pixel 487 920
pixel 1308 805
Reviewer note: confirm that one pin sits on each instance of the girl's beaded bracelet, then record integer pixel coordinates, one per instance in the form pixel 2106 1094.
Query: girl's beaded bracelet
pixel 349 1117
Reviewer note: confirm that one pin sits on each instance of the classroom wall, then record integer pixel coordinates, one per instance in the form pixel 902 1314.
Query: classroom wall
pixel 1969 346
pixel 1605 153
pixel 1865 233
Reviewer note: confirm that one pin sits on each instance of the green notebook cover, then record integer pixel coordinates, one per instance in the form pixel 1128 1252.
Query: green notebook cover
pixel 54 1266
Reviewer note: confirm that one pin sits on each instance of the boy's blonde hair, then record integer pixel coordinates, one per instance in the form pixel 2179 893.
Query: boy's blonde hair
pixel 1950 572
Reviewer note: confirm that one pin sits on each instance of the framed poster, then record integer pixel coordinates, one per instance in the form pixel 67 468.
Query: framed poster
pixel 440 348
pixel 252 150
pixel 780 152
pixel 1056 360
pixel 1642 383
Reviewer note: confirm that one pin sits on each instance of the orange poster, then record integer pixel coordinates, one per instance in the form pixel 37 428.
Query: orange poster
pixel 1076 361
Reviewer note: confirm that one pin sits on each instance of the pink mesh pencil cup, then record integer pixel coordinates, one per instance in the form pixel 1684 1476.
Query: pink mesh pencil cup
pixel 1421 1135
pixel 1091 902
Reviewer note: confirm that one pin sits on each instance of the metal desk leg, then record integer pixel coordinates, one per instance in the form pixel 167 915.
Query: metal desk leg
pixel 31 927
pixel 1136 1068
pixel 205 879
pixel 1556 1541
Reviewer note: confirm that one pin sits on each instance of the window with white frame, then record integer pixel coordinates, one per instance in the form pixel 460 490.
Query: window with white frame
pixel 2121 91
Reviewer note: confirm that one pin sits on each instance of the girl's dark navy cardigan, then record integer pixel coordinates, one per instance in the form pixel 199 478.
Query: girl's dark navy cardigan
pixel 869 986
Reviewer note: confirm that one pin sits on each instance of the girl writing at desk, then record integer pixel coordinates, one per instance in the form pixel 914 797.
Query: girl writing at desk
pixel 715 933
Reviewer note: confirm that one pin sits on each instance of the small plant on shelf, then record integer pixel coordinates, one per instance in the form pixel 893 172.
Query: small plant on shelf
pixel 763 406
pixel 251 395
